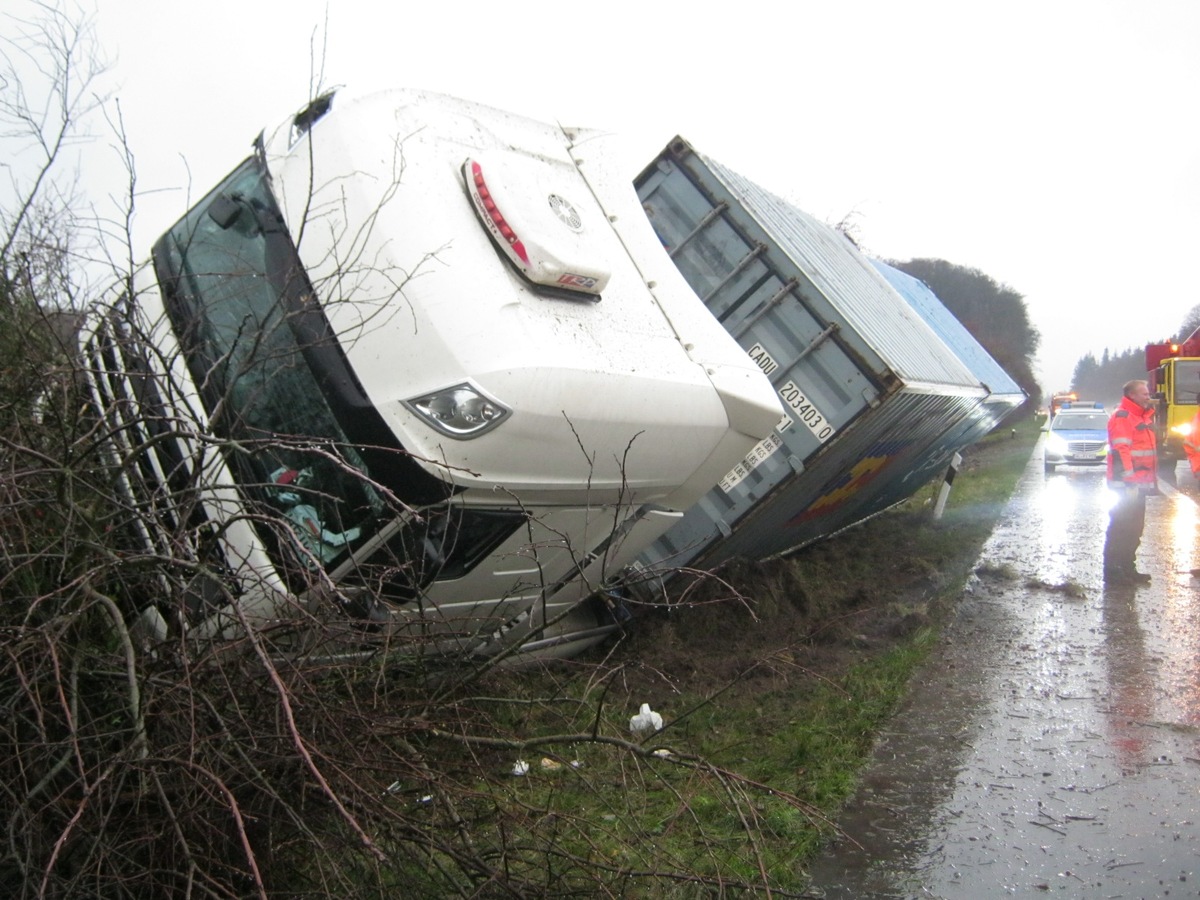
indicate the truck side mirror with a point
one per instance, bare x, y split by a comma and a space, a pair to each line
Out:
224, 211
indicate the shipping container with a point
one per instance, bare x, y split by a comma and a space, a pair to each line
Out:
876, 398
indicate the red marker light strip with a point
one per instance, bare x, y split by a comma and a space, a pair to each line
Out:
495, 215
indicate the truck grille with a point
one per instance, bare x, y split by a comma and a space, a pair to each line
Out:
155, 470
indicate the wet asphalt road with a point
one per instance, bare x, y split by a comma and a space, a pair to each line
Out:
1052, 745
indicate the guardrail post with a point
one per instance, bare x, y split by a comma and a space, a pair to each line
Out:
944, 493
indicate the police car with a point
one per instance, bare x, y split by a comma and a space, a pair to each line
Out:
1077, 436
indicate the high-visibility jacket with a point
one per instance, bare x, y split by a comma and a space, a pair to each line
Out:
1191, 444
1132, 449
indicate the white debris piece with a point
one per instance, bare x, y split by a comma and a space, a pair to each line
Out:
645, 722
520, 767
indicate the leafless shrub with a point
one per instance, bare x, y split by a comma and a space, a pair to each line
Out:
262, 765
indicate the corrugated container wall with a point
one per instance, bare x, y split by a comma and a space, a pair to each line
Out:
1004, 394
875, 397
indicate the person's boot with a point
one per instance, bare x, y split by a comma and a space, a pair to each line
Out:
1114, 574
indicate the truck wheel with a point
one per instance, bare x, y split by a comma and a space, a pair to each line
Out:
1048, 467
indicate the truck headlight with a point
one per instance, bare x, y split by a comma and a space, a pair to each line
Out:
461, 411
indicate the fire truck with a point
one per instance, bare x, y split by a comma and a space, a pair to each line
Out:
1173, 369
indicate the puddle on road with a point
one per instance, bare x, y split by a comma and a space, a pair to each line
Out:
1052, 744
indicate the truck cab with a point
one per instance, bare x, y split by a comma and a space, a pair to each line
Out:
416, 363
1173, 369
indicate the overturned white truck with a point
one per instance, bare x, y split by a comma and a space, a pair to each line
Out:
420, 367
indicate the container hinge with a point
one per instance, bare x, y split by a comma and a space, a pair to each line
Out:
743, 264
827, 332
713, 213
789, 286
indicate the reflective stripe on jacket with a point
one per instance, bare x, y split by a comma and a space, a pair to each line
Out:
1132, 453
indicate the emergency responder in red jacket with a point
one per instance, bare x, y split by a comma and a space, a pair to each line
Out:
1133, 473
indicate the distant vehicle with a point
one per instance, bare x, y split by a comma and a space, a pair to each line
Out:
1076, 436
1059, 400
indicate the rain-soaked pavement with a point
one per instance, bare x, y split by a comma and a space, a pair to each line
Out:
1052, 745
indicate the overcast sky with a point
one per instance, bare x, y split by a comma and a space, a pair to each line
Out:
1055, 146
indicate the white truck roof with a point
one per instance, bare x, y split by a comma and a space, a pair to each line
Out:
637, 388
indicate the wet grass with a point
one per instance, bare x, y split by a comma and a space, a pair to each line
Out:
733, 794
996, 571
771, 706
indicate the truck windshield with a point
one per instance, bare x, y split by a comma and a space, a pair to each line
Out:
1187, 382
309, 446
1068, 421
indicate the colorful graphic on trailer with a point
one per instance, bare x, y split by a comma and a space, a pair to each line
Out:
843, 488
